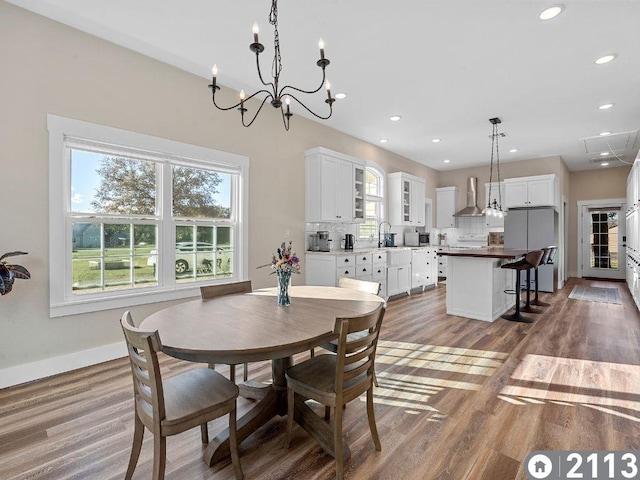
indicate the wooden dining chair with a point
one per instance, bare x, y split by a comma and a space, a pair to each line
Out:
171, 406
213, 291
335, 380
353, 284
361, 285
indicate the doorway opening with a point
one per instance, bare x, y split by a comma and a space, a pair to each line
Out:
602, 239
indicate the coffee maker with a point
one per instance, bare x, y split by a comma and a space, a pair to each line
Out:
348, 241
323, 240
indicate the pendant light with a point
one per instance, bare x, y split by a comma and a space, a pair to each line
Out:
494, 208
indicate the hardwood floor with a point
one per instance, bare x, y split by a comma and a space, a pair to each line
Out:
458, 399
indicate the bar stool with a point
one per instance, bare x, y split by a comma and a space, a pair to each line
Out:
547, 259
530, 260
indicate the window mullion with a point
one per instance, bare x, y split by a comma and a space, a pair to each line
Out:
166, 234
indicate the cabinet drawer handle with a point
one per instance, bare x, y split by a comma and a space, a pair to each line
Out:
364, 269
346, 260
346, 272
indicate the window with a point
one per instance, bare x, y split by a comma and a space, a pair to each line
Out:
138, 219
374, 190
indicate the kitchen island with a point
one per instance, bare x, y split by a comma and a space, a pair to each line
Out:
476, 284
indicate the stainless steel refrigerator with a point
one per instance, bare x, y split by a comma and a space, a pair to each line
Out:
533, 228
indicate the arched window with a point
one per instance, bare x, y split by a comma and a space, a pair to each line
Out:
374, 201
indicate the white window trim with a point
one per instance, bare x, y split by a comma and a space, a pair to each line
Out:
59, 184
380, 198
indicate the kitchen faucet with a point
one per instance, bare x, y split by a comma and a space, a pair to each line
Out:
379, 229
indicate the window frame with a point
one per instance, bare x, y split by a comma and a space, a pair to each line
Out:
378, 199
66, 132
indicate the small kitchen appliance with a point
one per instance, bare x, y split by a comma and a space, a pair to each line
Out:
389, 239
313, 242
412, 239
323, 240
423, 239
348, 241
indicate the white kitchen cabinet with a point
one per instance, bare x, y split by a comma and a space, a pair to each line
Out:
320, 269
446, 206
334, 187
406, 199
327, 268
536, 191
399, 272
633, 232
379, 262
442, 266
423, 273
497, 194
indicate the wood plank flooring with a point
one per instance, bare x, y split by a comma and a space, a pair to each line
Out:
458, 399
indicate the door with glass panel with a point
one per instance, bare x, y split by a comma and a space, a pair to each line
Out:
603, 241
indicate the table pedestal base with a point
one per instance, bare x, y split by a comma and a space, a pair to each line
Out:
273, 402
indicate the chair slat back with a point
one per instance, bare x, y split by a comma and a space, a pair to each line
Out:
213, 291
552, 254
361, 285
545, 255
357, 342
143, 347
534, 257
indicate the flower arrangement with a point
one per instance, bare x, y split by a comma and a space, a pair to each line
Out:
284, 260
9, 272
283, 263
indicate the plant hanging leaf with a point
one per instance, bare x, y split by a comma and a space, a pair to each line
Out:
20, 271
12, 254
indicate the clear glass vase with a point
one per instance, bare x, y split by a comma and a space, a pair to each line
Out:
284, 278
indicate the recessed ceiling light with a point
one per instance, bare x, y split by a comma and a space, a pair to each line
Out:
383, 140
604, 164
605, 59
550, 13
435, 140
604, 134
340, 96
513, 150
395, 118
605, 106
446, 161
603, 154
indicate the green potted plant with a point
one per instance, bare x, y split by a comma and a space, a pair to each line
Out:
9, 272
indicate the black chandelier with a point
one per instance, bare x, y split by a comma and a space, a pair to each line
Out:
277, 95
494, 208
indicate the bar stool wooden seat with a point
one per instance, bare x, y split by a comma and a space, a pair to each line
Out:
530, 260
547, 259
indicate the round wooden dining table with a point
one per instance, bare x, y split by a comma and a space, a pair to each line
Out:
251, 327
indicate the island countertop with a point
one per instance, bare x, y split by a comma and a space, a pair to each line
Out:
489, 252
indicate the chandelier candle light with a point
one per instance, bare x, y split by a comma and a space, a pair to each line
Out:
494, 208
277, 95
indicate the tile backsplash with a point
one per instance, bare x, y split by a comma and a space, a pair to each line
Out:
337, 231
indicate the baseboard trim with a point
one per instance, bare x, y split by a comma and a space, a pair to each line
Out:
29, 372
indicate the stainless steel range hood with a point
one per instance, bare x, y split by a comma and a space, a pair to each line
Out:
472, 209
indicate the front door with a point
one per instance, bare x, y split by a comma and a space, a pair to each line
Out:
603, 241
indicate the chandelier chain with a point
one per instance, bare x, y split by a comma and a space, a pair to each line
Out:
277, 59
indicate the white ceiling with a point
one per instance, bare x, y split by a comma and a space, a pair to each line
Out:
445, 66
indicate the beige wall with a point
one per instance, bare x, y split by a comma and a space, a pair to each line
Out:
593, 185
50, 68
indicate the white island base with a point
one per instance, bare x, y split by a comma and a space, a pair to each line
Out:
476, 285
